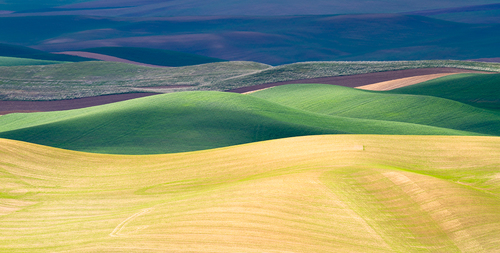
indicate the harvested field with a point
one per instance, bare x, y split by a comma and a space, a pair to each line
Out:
362, 79
398, 83
341, 193
104, 57
60, 105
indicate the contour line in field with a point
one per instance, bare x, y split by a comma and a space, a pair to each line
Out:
120, 226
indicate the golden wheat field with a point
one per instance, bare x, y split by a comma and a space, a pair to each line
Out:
330, 193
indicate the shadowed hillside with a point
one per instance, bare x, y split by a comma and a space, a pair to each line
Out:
270, 40
188, 121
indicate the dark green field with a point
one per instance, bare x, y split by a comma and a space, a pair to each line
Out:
474, 89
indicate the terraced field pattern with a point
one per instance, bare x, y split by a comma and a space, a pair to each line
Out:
306, 157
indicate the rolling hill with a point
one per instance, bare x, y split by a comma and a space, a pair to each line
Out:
87, 79
336, 193
477, 90
354, 103
13, 61
7, 50
188, 121
148, 8
272, 40
154, 56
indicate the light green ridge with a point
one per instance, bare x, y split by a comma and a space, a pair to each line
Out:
187, 121
354, 103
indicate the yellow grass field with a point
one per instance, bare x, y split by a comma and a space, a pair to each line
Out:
330, 193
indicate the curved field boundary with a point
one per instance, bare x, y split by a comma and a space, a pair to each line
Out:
360, 80
348, 81
104, 57
402, 82
59, 105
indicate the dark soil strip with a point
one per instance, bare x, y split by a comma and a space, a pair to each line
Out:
361, 79
349, 81
59, 105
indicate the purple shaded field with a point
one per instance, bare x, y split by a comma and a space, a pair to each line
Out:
59, 105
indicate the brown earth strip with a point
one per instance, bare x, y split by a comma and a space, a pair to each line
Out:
398, 83
360, 80
349, 81
59, 105
104, 57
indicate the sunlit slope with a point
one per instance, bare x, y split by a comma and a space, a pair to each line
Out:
186, 121
474, 89
336, 193
349, 102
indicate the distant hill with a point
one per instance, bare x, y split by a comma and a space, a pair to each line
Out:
270, 40
159, 8
154, 56
30, 53
489, 13
13, 61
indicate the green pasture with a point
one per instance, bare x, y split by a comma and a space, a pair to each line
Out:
13, 61
418, 109
474, 89
154, 56
327, 193
188, 121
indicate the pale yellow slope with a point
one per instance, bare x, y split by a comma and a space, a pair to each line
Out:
402, 82
352, 193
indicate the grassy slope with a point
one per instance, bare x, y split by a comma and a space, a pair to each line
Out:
72, 80
349, 102
185, 122
154, 56
339, 193
473, 89
84, 79
13, 61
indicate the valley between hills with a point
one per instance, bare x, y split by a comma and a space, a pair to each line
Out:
264, 126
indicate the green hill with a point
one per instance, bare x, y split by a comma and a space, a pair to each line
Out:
154, 56
474, 89
13, 61
187, 121
349, 102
